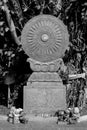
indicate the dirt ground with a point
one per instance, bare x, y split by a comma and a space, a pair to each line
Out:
40, 125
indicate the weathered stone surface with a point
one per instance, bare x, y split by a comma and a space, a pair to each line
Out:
45, 38
45, 67
44, 96
44, 76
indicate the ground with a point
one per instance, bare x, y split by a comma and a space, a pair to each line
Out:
39, 123
35, 125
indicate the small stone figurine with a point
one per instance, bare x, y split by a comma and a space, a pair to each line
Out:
16, 116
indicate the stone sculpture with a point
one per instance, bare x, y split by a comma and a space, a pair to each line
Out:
44, 39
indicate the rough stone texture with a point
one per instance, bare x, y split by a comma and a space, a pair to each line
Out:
45, 67
45, 38
44, 76
44, 96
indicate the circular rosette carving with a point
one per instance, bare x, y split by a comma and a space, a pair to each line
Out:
44, 38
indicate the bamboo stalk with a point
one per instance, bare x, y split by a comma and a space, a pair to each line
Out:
8, 95
11, 23
76, 76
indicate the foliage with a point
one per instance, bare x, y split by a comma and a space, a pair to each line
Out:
13, 59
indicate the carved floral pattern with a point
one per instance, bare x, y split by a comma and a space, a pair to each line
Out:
37, 66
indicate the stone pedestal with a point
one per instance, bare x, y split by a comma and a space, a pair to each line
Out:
44, 39
44, 93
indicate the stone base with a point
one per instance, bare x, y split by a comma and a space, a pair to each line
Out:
44, 96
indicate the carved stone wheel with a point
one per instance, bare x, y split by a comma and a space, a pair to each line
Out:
44, 38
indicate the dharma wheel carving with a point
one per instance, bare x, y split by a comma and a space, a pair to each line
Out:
45, 38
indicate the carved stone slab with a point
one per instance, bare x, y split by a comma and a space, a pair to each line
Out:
44, 38
44, 77
44, 96
53, 66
